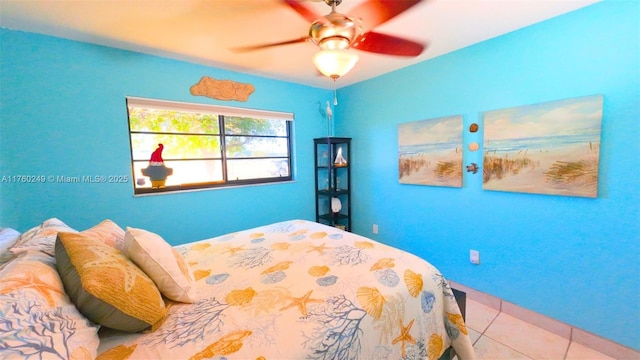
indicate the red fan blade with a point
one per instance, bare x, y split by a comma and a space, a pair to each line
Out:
386, 44
301, 9
376, 12
264, 46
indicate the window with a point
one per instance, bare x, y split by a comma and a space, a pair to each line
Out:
182, 146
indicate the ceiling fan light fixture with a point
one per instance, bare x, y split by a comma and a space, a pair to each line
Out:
334, 43
335, 63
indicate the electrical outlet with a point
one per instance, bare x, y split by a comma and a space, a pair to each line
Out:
375, 228
474, 257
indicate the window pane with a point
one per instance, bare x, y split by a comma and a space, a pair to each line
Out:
248, 126
257, 168
185, 172
241, 146
172, 121
175, 146
193, 137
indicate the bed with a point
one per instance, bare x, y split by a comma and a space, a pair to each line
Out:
289, 290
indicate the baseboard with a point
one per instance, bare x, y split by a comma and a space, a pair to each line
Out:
572, 333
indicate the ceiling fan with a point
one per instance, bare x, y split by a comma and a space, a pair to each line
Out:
335, 33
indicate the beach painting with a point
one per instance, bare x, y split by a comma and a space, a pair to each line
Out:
548, 148
430, 152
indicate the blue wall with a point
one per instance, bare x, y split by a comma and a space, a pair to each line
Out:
574, 259
64, 113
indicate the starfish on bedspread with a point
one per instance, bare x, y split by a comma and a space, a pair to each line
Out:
301, 302
320, 248
404, 337
234, 250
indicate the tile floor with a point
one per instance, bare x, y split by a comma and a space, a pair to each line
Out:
496, 335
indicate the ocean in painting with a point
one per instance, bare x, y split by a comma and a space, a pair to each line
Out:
411, 150
539, 143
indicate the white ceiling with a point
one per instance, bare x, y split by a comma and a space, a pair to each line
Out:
203, 31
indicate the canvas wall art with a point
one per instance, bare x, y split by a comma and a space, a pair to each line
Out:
547, 148
430, 152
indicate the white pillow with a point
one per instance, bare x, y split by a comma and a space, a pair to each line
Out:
8, 238
162, 263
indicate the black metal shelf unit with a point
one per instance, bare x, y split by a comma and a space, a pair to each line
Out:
333, 181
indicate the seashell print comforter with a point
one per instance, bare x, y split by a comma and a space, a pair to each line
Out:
301, 290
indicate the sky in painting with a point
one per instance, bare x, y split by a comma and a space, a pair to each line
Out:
433, 131
565, 117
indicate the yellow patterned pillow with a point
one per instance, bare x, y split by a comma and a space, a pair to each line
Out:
162, 263
105, 286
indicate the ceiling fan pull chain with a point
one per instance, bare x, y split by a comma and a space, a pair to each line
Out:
335, 97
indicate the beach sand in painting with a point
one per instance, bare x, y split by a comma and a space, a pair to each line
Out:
438, 168
570, 170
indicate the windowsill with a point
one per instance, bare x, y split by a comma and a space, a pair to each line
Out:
174, 192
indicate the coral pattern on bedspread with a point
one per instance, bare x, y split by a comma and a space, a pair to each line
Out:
37, 318
302, 290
